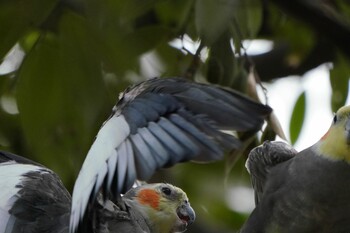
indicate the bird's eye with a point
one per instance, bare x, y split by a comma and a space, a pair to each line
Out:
335, 119
166, 191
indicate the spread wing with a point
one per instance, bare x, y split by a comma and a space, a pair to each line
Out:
157, 124
32, 197
262, 158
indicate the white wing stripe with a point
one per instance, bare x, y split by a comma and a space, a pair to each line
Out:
111, 135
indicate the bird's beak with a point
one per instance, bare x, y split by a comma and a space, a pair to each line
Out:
186, 213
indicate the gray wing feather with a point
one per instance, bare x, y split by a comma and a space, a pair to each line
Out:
198, 97
122, 164
131, 172
208, 150
167, 141
144, 165
180, 136
160, 154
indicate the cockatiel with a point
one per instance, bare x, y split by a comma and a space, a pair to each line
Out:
306, 191
33, 199
156, 124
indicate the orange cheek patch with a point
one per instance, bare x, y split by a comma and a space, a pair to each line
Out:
149, 197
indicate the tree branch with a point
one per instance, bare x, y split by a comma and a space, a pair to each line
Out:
273, 64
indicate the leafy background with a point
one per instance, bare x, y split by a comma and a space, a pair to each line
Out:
69, 59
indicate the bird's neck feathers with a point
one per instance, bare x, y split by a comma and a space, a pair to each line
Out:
333, 145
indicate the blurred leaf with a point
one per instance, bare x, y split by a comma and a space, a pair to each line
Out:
240, 75
299, 37
268, 134
17, 17
174, 13
298, 116
344, 7
220, 62
247, 15
132, 9
60, 96
120, 43
235, 155
252, 85
11, 135
28, 41
339, 78
212, 18
106, 30
174, 61
275, 125
145, 39
5, 81
118, 14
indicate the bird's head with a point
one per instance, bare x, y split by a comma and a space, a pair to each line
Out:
335, 144
165, 207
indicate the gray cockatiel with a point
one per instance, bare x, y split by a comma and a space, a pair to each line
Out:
306, 191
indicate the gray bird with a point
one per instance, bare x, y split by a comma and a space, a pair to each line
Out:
306, 191
33, 199
156, 124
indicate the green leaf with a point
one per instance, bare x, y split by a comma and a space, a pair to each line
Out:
118, 41
132, 9
29, 40
212, 18
247, 16
174, 13
297, 119
344, 9
220, 61
145, 39
61, 97
174, 62
339, 78
17, 17
299, 38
